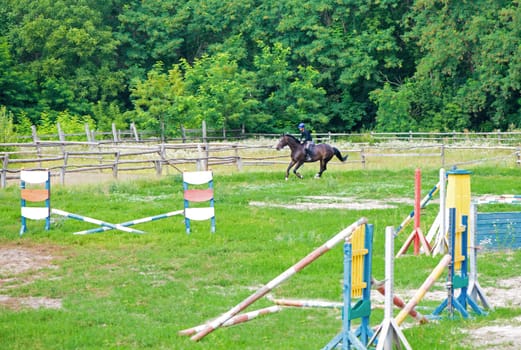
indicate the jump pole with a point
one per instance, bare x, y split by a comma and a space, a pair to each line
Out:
423, 204
132, 222
474, 289
417, 235
438, 231
308, 303
94, 221
241, 318
398, 302
420, 293
389, 330
315, 254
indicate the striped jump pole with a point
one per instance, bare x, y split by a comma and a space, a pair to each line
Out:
398, 302
423, 204
315, 254
132, 222
389, 332
241, 318
438, 231
420, 293
499, 199
94, 221
309, 303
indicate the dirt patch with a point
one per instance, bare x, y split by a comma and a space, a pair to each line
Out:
22, 265
499, 336
502, 336
333, 202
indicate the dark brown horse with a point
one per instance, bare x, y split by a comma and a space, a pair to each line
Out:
322, 152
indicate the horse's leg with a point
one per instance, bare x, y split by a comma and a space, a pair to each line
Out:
289, 168
323, 164
295, 170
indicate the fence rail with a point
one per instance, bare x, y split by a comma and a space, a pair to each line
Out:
132, 151
63, 158
204, 134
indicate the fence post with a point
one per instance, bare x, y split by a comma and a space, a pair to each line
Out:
362, 157
162, 155
36, 141
5, 163
518, 156
207, 152
61, 136
159, 167
115, 165
443, 155
115, 133
34, 134
134, 131
88, 133
238, 159
63, 170
183, 134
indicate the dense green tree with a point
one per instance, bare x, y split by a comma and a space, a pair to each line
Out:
159, 101
15, 85
222, 91
467, 71
149, 32
265, 65
66, 47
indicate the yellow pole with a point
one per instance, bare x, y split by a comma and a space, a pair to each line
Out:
458, 197
420, 293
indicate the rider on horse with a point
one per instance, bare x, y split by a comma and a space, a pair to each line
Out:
306, 140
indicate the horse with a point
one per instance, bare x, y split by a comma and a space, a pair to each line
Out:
322, 152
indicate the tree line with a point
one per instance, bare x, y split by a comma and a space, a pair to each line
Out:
337, 65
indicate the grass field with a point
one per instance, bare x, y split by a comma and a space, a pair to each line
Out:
123, 291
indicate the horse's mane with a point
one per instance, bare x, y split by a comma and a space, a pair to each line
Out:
293, 137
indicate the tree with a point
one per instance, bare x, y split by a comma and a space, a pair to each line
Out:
69, 51
159, 101
289, 97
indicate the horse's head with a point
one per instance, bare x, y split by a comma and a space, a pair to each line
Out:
283, 142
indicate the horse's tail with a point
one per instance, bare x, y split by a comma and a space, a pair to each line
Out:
339, 155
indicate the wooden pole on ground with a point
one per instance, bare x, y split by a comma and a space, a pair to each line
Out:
315, 254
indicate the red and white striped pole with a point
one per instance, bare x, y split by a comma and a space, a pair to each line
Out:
339, 237
241, 318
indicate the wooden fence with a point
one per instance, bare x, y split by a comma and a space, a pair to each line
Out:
64, 158
204, 134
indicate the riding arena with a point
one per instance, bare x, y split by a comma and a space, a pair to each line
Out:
407, 255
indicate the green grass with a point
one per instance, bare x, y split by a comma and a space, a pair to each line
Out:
125, 291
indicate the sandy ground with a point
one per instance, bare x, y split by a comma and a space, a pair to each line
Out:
21, 266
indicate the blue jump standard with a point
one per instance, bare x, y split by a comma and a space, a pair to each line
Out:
458, 281
362, 309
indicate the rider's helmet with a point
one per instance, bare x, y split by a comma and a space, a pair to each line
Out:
301, 126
